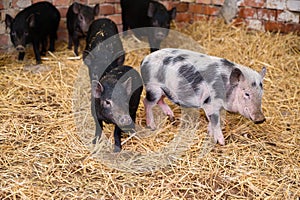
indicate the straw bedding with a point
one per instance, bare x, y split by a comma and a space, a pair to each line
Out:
46, 130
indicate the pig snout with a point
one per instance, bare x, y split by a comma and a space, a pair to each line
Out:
160, 35
124, 120
20, 48
258, 118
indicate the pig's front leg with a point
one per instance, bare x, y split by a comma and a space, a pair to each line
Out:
21, 56
214, 124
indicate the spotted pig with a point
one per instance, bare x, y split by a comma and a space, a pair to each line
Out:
192, 79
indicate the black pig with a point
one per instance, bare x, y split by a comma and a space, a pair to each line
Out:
104, 50
147, 13
33, 25
116, 96
79, 18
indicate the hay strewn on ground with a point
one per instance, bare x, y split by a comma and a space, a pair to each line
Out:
44, 156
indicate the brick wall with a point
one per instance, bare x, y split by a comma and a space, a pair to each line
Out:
264, 15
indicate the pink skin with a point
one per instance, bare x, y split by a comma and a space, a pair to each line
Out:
149, 113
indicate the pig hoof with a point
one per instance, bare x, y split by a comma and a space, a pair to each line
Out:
171, 118
151, 128
117, 149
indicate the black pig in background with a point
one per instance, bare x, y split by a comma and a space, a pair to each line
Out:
147, 13
104, 50
34, 25
79, 18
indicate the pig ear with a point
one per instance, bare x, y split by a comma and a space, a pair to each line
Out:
263, 72
97, 89
76, 7
31, 20
128, 85
236, 76
151, 9
172, 13
96, 9
8, 20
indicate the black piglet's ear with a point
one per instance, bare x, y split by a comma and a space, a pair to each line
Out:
172, 13
97, 89
8, 20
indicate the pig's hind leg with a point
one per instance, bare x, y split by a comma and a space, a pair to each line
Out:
153, 95
166, 109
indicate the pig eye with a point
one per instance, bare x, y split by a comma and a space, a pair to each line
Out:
107, 103
80, 17
26, 33
13, 33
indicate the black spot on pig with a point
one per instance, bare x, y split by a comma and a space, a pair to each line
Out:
34, 25
145, 71
190, 76
214, 118
209, 74
167, 60
114, 95
219, 88
147, 13
253, 84
150, 96
179, 58
79, 18
161, 76
227, 63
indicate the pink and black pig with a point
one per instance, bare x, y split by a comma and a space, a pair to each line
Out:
192, 79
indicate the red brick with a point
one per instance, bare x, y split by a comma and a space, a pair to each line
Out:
182, 7
196, 8
183, 17
211, 10
62, 2
4, 40
1, 5
247, 12
267, 14
63, 12
62, 35
112, 1
200, 17
218, 2
118, 9
94, 2
273, 26
168, 4
252, 3
204, 1
292, 27
116, 18
107, 9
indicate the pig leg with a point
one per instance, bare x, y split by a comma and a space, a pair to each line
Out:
44, 45
214, 124
36, 50
70, 42
76, 44
98, 132
21, 55
153, 95
52, 39
166, 109
117, 137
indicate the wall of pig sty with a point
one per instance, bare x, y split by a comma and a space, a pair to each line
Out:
264, 15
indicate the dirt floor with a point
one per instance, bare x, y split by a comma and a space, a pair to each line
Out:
46, 129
